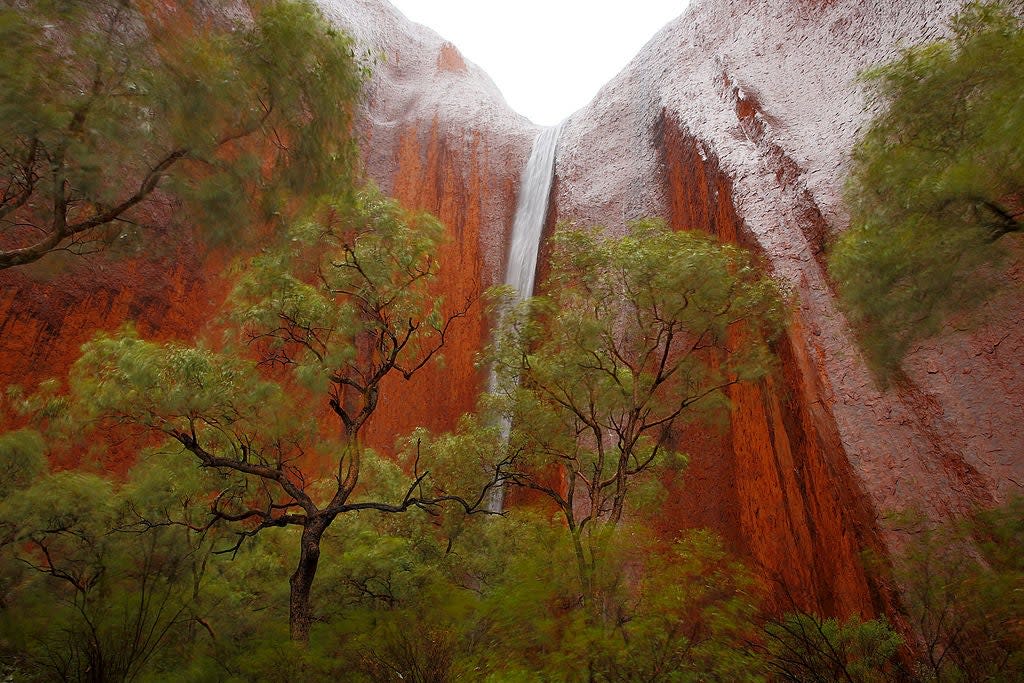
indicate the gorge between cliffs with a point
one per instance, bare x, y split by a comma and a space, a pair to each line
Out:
736, 123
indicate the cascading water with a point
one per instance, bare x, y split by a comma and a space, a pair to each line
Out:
531, 210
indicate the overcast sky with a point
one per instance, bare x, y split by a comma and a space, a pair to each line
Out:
548, 57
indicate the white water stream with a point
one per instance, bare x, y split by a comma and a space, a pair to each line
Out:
531, 210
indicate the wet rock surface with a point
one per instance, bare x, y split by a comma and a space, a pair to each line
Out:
736, 119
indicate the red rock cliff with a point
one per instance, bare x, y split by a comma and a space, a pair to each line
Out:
438, 135
737, 119
435, 132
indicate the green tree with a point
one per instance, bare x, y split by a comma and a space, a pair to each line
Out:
345, 304
964, 595
22, 462
683, 611
807, 648
635, 336
92, 594
409, 612
105, 106
686, 616
936, 186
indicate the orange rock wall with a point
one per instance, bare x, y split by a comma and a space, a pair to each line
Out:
453, 182
778, 481
48, 310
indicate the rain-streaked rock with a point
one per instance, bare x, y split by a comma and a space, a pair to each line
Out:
737, 119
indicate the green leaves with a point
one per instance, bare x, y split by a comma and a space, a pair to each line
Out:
804, 646
963, 589
88, 586
350, 272
633, 335
189, 393
318, 323
633, 314
103, 104
935, 184
73, 502
161, 383
22, 460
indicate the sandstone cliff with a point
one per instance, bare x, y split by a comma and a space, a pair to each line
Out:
438, 135
737, 119
435, 132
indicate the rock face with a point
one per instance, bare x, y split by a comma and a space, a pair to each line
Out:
436, 133
735, 119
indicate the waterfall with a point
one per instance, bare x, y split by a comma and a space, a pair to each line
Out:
531, 210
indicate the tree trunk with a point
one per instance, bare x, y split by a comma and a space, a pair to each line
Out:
583, 570
300, 613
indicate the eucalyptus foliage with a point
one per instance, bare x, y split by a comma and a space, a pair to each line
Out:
22, 459
964, 593
634, 336
107, 105
93, 590
937, 183
320, 322
807, 647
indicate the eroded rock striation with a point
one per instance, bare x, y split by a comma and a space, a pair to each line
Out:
737, 119
438, 135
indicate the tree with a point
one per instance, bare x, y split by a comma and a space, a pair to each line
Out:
90, 597
936, 187
635, 336
687, 617
105, 106
804, 647
324, 320
683, 610
964, 594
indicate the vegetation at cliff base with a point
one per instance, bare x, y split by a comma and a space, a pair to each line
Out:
343, 306
965, 594
936, 190
634, 337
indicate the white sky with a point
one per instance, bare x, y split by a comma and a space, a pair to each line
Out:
548, 57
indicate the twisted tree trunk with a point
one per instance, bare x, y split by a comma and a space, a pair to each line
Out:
300, 613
